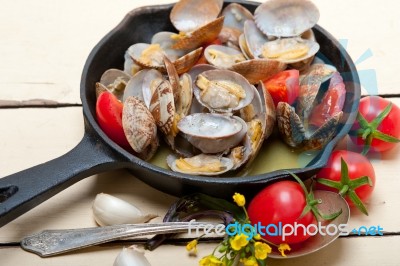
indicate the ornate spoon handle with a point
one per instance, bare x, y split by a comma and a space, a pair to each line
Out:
53, 242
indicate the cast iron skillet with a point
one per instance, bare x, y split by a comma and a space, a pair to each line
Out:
96, 153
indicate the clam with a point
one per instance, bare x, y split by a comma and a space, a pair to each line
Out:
162, 107
166, 41
235, 16
258, 69
254, 39
223, 91
196, 21
143, 84
185, 99
261, 125
286, 18
114, 81
213, 133
317, 115
230, 37
151, 81
189, 15
152, 56
244, 48
172, 76
139, 128
130, 67
290, 50
223, 57
204, 34
201, 164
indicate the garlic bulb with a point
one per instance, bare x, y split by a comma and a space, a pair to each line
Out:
132, 256
110, 210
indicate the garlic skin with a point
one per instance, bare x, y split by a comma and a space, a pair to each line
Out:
132, 256
110, 210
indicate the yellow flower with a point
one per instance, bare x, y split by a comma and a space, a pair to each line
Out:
192, 245
282, 248
250, 261
239, 199
238, 241
210, 260
257, 237
261, 250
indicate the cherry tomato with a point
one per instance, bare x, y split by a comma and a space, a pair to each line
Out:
284, 86
282, 202
382, 128
353, 185
109, 117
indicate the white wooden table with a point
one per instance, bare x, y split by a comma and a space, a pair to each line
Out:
43, 47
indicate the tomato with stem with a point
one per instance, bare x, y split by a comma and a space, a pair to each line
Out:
351, 175
286, 203
378, 124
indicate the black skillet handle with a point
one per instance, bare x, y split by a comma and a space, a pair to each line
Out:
24, 190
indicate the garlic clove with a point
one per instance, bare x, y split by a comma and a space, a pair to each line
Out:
132, 256
110, 210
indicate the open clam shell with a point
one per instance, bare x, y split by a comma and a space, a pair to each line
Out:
143, 84
290, 50
221, 100
202, 164
255, 39
244, 48
114, 81
223, 57
152, 56
186, 62
205, 34
147, 55
255, 70
189, 15
165, 40
286, 18
230, 37
185, 98
213, 133
235, 16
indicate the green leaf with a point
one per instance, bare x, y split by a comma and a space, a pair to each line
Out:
361, 181
306, 210
362, 121
385, 137
328, 216
378, 120
345, 179
357, 201
330, 183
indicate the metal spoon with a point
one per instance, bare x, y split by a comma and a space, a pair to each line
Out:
52, 242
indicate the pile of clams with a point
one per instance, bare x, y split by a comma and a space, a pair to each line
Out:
215, 115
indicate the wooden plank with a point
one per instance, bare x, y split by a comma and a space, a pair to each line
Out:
351, 251
46, 43
33, 136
